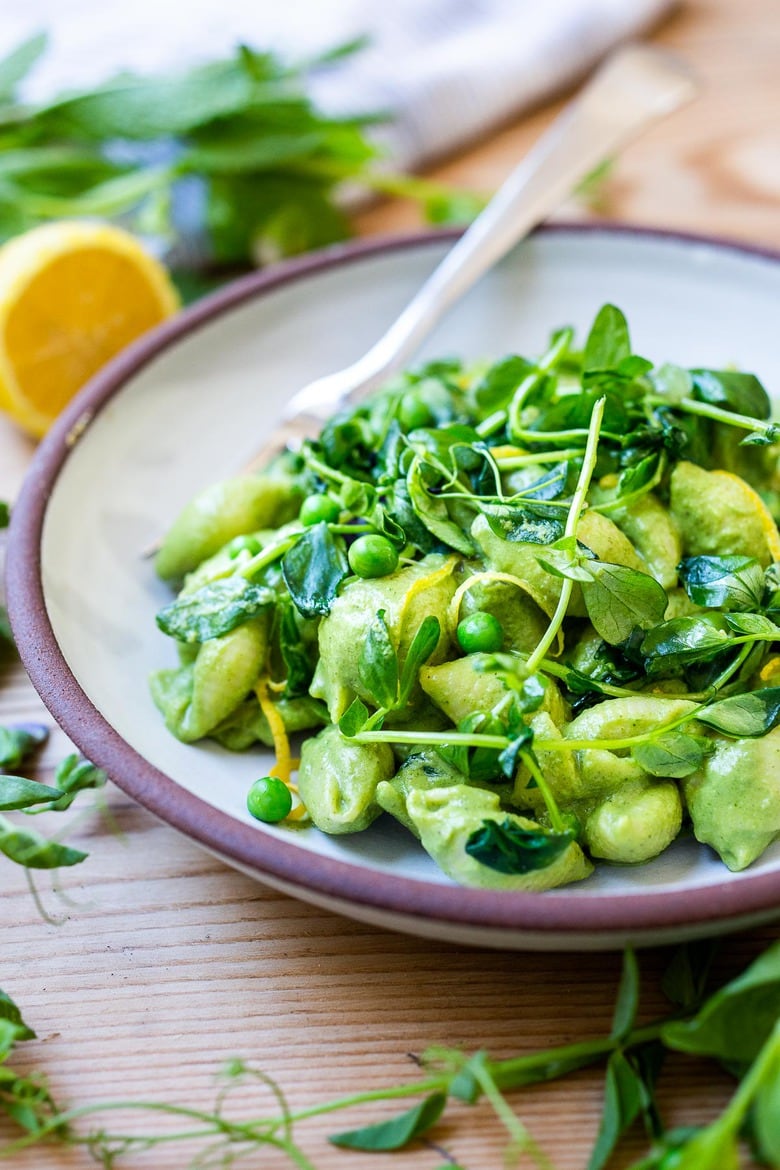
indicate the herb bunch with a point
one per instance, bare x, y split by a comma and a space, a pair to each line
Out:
238, 138
736, 1025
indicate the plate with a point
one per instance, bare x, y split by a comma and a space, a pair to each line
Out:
188, 405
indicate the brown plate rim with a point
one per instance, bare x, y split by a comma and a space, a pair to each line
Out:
554, 913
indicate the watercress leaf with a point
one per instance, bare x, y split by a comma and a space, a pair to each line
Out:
17, 792
608, 342
423, 645
354, 718
619, 599
735, 1022
683, 640
5, 514
378, 663
214, 609
433, 512
622, 1105
733, 583
509, 848
627, 1001
398, 1131
549, 486
399, 503
744, 716
674, 755
732, 390
496, 387
314, 568
756, 625
29, 848
18, 741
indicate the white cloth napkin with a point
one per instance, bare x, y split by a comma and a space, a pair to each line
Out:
448, 70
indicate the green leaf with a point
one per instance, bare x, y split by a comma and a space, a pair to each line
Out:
433, 512
497, 386
608, 342
6, 637
622, 1105
214, 610
297, 655
754, 625
422, 647
509, 848
17, 742
17, 792
627, 1002
314, 568
5, 514
732, 390
766, 1115
619, 600
750, 716
11, 1013
378, 664
732, 583
674, 755
17, 64
354, 718
684, 981
521, 527
683, 640
398, 1131
74, 774
734, 1023
564, 559
29, 848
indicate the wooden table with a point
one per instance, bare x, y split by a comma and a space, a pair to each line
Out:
168, 963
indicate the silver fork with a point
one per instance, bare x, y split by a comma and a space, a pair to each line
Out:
634, 88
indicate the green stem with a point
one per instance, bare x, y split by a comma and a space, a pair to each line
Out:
691, 406
556, 820
268, 555
520, 1138
572, 521
513, 462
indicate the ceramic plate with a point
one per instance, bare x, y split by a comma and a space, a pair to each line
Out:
189, 404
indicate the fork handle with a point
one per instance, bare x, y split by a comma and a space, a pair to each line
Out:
635, 87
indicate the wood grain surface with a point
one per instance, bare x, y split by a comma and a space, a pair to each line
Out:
166, 963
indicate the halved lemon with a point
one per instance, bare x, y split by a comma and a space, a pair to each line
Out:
72, 295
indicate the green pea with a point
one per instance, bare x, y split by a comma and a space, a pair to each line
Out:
480, 633
414, 412
241, 543
269, 799
373, 556
315, 509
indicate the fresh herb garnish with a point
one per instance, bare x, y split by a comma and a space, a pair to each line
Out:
736, 1026
268, 162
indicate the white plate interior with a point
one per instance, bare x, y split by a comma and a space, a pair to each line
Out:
199, 410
